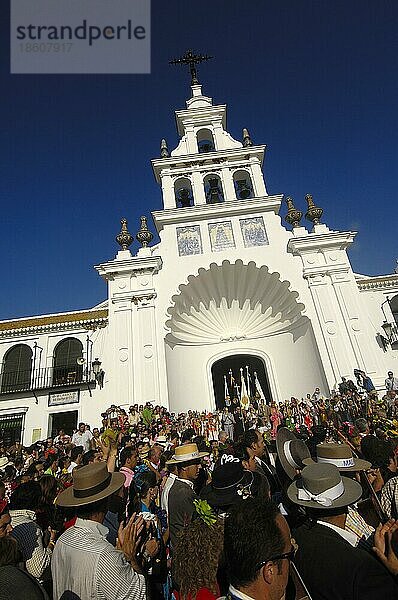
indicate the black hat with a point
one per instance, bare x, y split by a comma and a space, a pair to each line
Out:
230, 483
292, 452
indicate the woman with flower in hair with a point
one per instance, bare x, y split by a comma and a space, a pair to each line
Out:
197, 554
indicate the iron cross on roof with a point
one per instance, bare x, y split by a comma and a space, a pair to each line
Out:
191, 59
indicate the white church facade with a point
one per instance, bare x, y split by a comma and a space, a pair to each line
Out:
227, 286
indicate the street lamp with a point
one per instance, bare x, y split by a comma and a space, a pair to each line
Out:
98, 372
387, 328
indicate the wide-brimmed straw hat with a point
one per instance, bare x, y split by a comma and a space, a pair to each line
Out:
230, 483
144, 451
321, 486
185, 453
292, 452
341, 456
161, 440
5, 462
90, 484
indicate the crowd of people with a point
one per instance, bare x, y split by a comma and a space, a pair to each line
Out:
257, 500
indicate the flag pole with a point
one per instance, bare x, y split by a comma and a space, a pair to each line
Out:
226, 393
244, 400
258, 387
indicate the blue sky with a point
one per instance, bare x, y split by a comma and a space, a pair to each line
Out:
315, 81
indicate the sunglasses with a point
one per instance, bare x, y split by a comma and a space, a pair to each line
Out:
289, 555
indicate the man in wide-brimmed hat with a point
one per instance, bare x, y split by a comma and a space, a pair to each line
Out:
4, 462
292, 452
333, 568
187, 459
85, 564
339, 455
161, 440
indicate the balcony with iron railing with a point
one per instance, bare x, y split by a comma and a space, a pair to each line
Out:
394, 337
394, 333
44, 378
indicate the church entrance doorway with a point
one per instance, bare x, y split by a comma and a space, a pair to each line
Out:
227, 376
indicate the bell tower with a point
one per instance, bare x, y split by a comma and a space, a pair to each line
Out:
208, 166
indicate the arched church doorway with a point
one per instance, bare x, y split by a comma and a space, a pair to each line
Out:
228, 376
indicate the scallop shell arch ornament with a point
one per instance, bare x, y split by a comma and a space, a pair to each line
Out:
232, 301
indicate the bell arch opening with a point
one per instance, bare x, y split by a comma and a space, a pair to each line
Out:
228, 377
205, 141
183, 192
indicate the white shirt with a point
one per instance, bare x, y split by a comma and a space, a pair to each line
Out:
164, 501
391, 383
348, 536
261, 463
72, 466
239, 594
64, 439
88, 566
82, 439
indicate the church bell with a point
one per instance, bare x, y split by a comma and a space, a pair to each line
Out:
184, 197
214, 194
243, 189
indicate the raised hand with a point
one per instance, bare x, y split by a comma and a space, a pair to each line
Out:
129, 537
383, 547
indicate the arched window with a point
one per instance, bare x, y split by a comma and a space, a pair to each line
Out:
205, 141
213, 189
67, 355
183, 192
17, 369
243, 185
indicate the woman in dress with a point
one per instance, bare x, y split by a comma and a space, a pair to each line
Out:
276, 419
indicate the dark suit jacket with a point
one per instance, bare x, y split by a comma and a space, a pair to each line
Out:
332, 569
16, 583
180, 507
270, 472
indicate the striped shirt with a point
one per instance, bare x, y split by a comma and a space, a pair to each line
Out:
86, 566
389, 498
27, 532
358, 526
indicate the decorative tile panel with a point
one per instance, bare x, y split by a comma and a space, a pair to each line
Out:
189, 240
253, 232
221, 236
